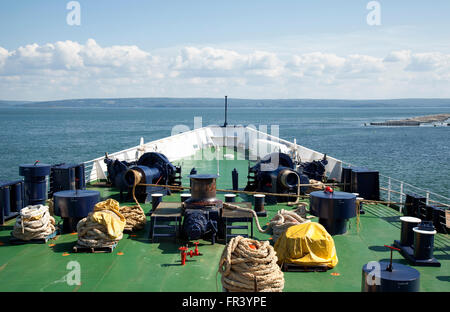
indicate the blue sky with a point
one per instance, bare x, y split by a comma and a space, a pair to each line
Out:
208, 48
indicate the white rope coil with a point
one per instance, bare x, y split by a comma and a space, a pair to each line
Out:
248, 265
33, 222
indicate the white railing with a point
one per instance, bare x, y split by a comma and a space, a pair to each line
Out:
396, 190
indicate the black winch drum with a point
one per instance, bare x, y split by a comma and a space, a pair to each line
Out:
230, 198
333, 209
407, 234
203, 187
73, 206
288, 178
423, 244
402, 278
203, 192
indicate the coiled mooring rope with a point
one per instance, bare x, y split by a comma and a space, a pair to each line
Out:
93, 234
134, 215
248, 265
283, 220
33, 222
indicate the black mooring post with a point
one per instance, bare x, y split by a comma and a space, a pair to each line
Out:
226, 108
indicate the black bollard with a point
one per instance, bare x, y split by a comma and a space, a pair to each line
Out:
235, 179
230, 198
156, 199
259, 205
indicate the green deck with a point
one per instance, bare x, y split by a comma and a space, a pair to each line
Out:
136, 264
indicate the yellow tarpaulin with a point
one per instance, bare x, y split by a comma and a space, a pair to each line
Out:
107, 213
307, 244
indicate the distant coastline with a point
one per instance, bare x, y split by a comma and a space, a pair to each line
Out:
219, 102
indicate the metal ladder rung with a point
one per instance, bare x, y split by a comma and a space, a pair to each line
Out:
164, 226
164, 234
243, 227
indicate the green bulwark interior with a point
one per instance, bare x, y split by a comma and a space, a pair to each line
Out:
137, 264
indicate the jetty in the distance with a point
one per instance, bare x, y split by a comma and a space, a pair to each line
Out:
415, 121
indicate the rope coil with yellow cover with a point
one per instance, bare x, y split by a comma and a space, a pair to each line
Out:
103, 227
307, 244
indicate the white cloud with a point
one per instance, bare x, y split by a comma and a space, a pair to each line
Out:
398, 56
67, 55
362, 65
208, 61
329, 68
315, 64
70, 56
68, 69
429, 62
130, 58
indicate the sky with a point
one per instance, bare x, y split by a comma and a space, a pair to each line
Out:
349, 49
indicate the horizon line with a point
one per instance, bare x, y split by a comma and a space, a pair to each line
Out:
218, 98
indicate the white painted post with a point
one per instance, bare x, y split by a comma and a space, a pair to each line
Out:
428, 197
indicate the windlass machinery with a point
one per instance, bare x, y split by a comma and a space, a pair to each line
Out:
314, 169
202, 211
276, 173
151, 168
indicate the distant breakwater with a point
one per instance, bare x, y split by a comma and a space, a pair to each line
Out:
415, 121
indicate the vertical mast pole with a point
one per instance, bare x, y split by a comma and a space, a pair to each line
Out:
226, 109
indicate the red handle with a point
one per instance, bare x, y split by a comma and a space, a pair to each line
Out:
392, 247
